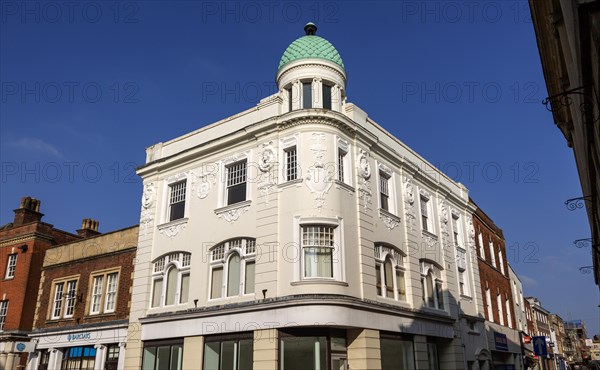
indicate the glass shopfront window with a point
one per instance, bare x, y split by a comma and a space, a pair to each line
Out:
229, 352
163, 355
397, 353
318, 350
79, 358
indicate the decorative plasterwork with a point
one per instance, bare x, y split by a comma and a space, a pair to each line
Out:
409, 200
202, 181
363, 170
173, 228
389, 220
429, 239
342, 144
317, 120
177, 177
424, 193
267, 157
318, 179
147, 213
236, 157
385, 169
266, 180
382, 251
444, 217
311, 65
233, 212
471, 228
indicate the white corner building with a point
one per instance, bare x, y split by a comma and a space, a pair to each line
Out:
300, 234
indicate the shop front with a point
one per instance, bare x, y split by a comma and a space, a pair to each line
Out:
79, 349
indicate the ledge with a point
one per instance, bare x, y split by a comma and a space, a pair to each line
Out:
233, 212
429, 234
173, 228
318, 281
290, 183
341, 184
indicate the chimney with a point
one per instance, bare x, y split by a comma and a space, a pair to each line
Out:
28, 211
89, 228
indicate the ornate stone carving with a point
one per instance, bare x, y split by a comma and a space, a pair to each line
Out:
171, 230
202, 181
389, 220
148, 195
444, 217
232, 214
409, 200
267, 157
318, 179
471, 228
363, 170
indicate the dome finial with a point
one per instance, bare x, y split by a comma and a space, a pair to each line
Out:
310, 28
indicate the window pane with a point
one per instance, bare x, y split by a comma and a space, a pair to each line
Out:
341, 155
317, 242
171, 286
401, 285
211, 355
156, 292
177, 201
162, 357
301, 353
378, 278
71, 295
97, 294
326, 96
290, 99
233, 275
149, 359
111, 292
236, 193
306, 95
58, 293
217, 282
291, 164
246, 354
389, 282
397, 354
439, 292
185, 287
432, 355
228, 355
430, 291
249, 282
176, 357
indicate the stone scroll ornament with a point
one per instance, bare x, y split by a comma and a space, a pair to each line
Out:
203, 180
363, 170
409, 199
266, 182
318, 179
147, 213
445, 218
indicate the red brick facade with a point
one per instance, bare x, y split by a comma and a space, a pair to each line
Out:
493, 270
27, 238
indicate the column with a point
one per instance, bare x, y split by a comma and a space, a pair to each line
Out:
266, 347
193, 352
55, 360
336, 98
121, 363
32, 361
317, 90
363, 349
100, 360
10, 361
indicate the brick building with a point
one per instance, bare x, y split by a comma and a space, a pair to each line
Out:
82, 311
23, 243
541, 324
576, 335
504, 339
557, 336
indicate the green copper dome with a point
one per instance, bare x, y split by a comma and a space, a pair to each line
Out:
310, 46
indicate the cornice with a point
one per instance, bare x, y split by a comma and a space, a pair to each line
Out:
25, 237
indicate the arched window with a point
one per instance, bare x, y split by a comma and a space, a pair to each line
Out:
232, 268
171, 279
389, 266
431, 285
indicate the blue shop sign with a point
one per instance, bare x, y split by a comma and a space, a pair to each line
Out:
500, 341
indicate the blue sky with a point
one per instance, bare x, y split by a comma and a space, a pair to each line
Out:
86, 87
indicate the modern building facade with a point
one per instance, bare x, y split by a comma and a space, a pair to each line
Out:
81, 317
503, 337
567, 37
300, 234
23, 243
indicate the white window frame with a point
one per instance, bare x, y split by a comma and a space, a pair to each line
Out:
179, 260
428, 268
481, 245
387, 173
167, 184
3, 313
100, 296
220, 255
111, 293
508, 315
11, 266
285, 145
500, 308
66, 300
224, 166
490, 309
462, 257
343, 166
382, 253
312, 93
425, 196
492, 253
501, 261
339, 274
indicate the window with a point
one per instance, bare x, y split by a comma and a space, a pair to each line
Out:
222, 353
492, 253
64, 299
232, 268
163, 355
481, 247
508, 315
236, 182
463, 275
432, 355
343, 162
426, 221
11, 266
303, 352
488, 301
317, 249
3, 310
384, 191
79, 358
326, 96
396, 352
501, 260
291, 164
455, 231
177, 200
340, 162
431, 286
500, 308
104, 292
112, 357
289, 98
306, 95
389, 265
171, 279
